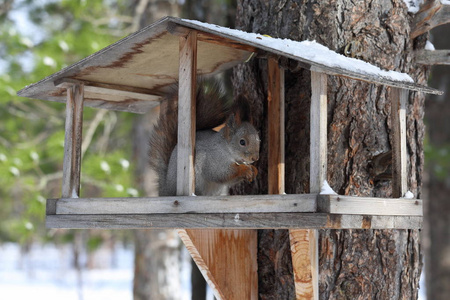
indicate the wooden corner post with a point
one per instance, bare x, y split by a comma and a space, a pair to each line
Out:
304, 243
399, 99
186, 114
226, 258
275, 110
72, 142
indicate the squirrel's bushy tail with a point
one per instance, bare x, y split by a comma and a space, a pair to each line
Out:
212, 110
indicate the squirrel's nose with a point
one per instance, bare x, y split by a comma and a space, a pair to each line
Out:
255, 157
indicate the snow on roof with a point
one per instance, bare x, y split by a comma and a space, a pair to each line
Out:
133, 74
318, 57
309, 50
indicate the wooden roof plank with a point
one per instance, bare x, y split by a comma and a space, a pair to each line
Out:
126, 63
315, 66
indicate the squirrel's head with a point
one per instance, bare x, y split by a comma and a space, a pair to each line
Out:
243, 140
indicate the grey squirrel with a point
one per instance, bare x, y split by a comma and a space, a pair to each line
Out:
222, 158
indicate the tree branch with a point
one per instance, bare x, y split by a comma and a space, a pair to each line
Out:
91, 130
432, 14
49, 177
433, 57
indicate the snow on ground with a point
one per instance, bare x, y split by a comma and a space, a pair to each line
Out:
46, 273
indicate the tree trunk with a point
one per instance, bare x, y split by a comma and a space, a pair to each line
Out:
157, 252
354, 264
437, 206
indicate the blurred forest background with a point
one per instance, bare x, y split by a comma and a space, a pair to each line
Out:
38, 38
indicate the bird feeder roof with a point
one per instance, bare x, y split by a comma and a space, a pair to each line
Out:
134, 73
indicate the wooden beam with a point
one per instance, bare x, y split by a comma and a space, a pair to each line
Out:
206, 37
318, 135
301, 203
181, 26
318, 174
186, 114
304, 243
187, 204
399, 99
66, 82
72, 142
336, 204
275, 110
237, 221
110, 90
219, 254
113, 97
433, 57
194, 244
227, 260
304, 252
432, 14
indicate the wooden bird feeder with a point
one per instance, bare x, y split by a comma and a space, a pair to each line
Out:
220, 231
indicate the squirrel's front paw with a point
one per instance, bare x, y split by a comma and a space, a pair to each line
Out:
250, 173
244, 172
254, 173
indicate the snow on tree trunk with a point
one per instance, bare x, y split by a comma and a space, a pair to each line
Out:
354, 264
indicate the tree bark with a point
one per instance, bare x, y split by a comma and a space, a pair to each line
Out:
354, 264
437, 206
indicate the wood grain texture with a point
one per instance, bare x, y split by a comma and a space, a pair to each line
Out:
433, 57
111, 92
127, 62
66, 82
187, 204
304, 243
200, 259
234, 221
220, 255
318, 121
227, 259
313, 65
178, 30
336, 204
399, 98
302, 203
275, 93
72, 142
432, 13
304, 251
186, 114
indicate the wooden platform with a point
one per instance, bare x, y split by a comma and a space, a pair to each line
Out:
311, 211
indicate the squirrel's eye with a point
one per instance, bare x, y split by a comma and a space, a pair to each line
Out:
242, 142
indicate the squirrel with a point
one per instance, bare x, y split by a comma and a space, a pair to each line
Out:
222, 158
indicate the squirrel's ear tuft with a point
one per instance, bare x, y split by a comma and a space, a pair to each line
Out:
242, 110
233, 122
229, 128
